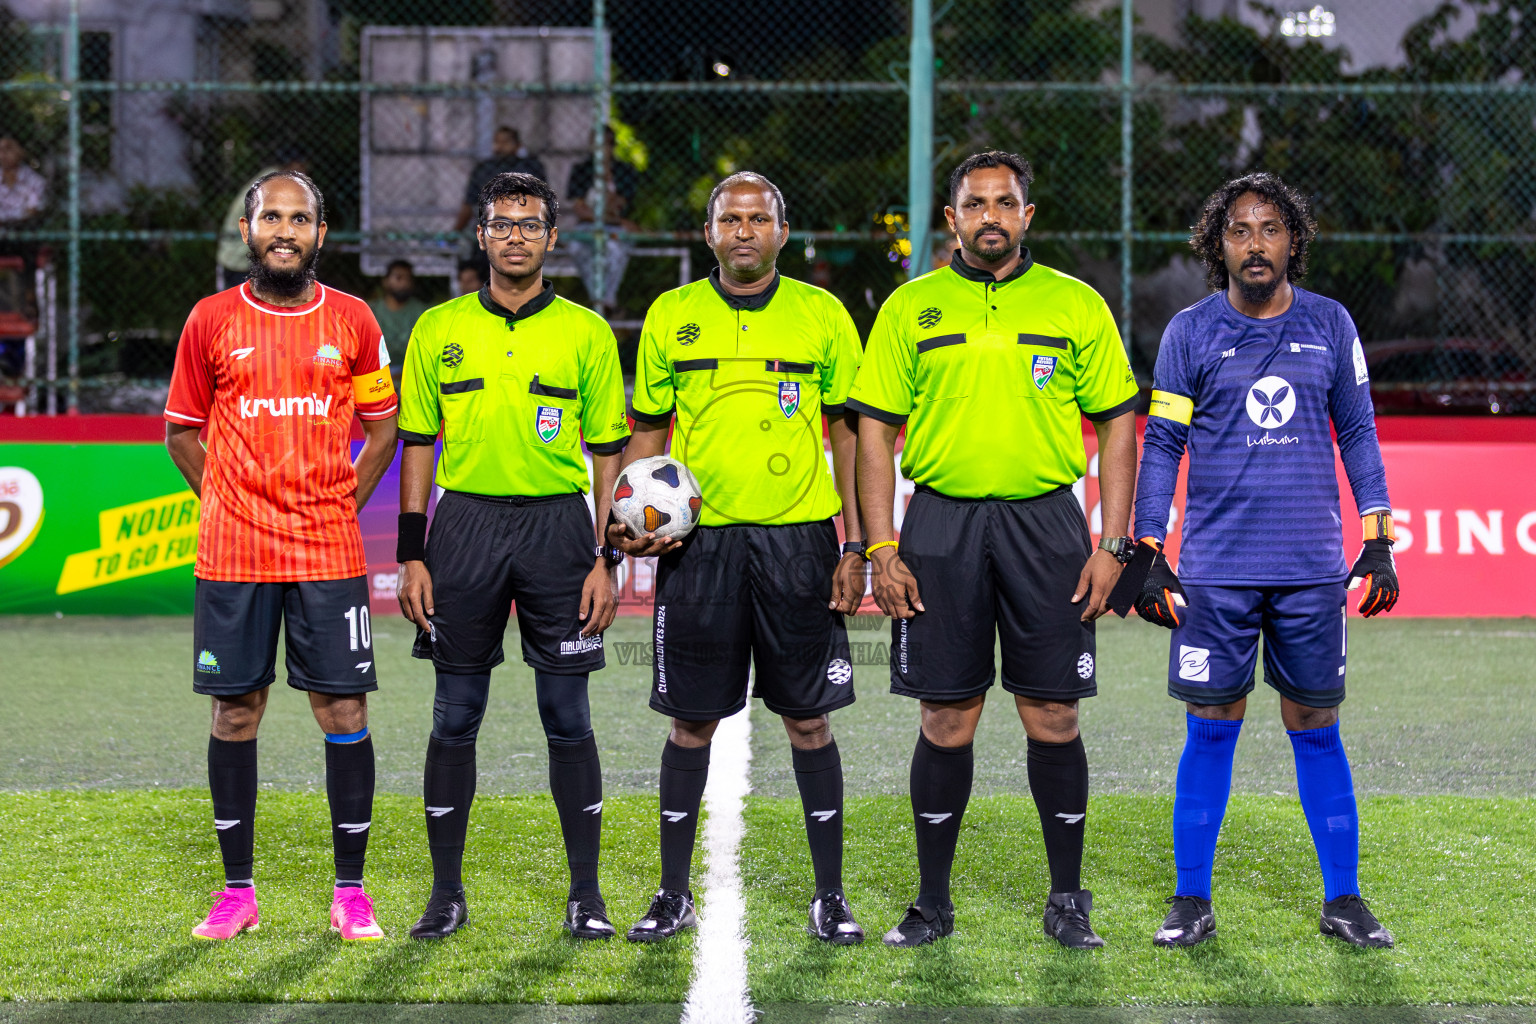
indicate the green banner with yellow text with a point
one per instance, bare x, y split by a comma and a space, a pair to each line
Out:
95, 529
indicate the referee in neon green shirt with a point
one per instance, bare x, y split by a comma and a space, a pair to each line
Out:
748, 362
990, 364
514, 377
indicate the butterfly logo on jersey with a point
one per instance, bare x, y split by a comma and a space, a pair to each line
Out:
688, 334
929, 317
453, 355
547, 422
789, 397
1042, 368
1271, 402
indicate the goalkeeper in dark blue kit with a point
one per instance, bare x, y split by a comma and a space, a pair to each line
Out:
1249, 381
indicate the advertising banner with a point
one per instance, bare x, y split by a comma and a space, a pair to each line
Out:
111, 528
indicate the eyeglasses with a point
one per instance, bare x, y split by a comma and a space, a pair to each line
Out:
501, 230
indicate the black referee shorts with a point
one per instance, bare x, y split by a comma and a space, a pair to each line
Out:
326, 629
737, 593
484, 553
987, 571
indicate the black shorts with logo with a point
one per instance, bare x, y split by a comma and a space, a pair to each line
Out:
738, 594
326, 627
994, 570
484, 553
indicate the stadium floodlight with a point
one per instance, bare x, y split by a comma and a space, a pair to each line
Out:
1313, 23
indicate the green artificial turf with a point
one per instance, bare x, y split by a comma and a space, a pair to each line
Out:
94, 701
1451, 876
99, 891
1433, 706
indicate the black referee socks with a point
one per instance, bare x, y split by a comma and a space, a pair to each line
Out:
819, 775
232, 782
576, 783
684, 770
349, 785
941, 787
1058, 780
448, 788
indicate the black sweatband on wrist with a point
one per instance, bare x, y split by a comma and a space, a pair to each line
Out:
411, 541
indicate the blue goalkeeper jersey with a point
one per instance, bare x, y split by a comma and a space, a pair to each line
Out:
1252, 401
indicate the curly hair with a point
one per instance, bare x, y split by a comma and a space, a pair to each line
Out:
518, 185
1205, 237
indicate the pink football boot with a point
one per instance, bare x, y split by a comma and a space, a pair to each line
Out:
234, 911
352, 916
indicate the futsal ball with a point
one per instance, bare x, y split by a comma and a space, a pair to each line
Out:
657, 495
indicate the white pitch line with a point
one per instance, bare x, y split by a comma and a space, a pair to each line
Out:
718, 993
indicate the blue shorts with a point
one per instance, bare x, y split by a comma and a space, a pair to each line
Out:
1214, 651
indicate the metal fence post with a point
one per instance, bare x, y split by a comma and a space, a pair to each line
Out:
72, 294
599, 153
920, 137
1127, 27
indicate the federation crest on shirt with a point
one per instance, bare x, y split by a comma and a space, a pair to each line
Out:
789, 397
547, 422
1043, 368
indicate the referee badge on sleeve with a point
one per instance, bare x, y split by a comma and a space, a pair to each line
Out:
547, 422
1043, 369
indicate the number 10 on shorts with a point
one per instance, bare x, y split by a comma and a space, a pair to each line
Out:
357, 626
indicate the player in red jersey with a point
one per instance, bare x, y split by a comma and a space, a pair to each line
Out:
274, 370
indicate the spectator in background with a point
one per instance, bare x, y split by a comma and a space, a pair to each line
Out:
582, 192
508, 154
233, 259
470, 278
397, 308
23, 193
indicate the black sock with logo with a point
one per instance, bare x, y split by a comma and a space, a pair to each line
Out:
349, 775
448, 788
684, 770
819, 775
576, 783
940, 785
1058, 780
232, 782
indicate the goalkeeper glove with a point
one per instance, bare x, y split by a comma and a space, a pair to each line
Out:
1378, 572
1161, 595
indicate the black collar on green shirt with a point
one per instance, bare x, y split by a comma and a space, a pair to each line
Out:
971, 273
747, 302
532, 306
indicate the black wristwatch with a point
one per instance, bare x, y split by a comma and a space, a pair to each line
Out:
1121, 547
853, 547
610, 554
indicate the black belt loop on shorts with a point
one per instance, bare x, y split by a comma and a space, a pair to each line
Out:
925, 489
518, 500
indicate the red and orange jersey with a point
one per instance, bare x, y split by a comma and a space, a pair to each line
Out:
277, 387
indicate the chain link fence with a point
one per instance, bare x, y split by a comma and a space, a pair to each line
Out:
130, 128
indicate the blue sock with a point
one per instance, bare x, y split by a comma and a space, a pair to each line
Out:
1200, 800
1328, 800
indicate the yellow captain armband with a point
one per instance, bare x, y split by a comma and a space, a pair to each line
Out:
1378, 526
1172, 407
372, 387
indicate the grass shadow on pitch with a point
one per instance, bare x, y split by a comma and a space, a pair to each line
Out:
280, 975
398, 963
151, 974
658, 964
811, 961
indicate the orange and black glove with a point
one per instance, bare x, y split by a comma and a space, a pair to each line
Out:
1162, 595
1149, 585
1375, 567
